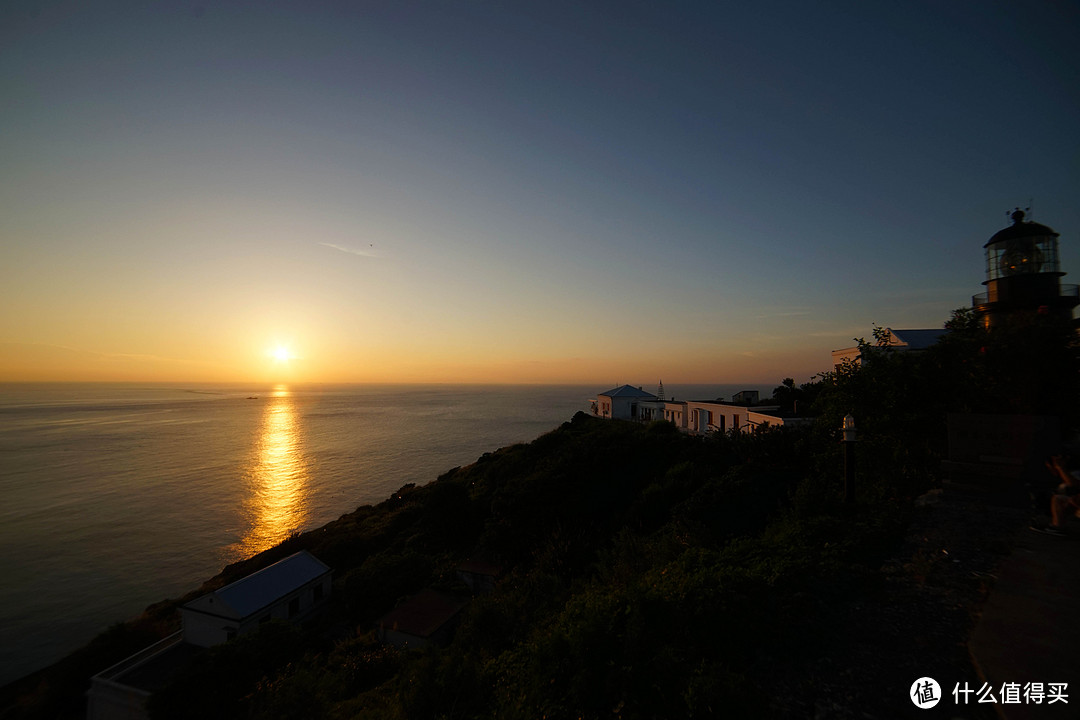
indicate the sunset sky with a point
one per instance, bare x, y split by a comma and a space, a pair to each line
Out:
513, 191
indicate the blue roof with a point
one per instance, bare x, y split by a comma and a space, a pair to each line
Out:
629, 391
251, 594
918, 339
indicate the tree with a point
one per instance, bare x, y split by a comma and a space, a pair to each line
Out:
1029, 364
794, 399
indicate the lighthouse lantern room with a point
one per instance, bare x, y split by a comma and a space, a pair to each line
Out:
1023, 274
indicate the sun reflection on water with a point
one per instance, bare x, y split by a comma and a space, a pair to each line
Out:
277, 479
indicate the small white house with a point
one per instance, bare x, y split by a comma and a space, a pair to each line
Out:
622, 403
290, 589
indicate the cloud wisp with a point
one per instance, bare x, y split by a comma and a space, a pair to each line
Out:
96, 356
351, 251
789, 314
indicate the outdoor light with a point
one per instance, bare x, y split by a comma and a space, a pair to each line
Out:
849, 459
849, 428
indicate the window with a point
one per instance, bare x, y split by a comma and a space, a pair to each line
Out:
317, 595
294, 607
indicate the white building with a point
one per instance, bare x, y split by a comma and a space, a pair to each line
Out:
692, 416
707, 416
622, 403
899, 340
290, 589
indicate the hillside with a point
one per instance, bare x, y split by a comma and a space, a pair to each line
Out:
645, 573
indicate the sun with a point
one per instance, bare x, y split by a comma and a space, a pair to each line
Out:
281, 354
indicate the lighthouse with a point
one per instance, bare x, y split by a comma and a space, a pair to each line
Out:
1023, 275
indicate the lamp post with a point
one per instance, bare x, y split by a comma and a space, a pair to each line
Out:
849, 458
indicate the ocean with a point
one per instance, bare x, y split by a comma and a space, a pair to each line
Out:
116, 496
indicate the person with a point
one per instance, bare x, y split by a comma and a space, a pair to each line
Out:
1065, 502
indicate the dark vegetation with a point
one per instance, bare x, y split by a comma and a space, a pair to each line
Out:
646, 573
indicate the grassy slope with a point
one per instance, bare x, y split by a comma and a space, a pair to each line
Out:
646, 573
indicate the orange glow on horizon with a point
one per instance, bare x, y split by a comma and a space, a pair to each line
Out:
348, 359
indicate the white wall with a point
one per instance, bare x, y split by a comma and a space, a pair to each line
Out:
206, 630
726, 417
209, 630
676, 413
620, 406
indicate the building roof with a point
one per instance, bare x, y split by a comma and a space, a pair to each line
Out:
898, 340
424, 613
629, 391
917, 339
249, 595
156, 672
1020, 229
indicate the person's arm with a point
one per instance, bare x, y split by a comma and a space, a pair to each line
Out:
1056, 466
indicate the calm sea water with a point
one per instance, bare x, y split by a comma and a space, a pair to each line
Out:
115, 496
